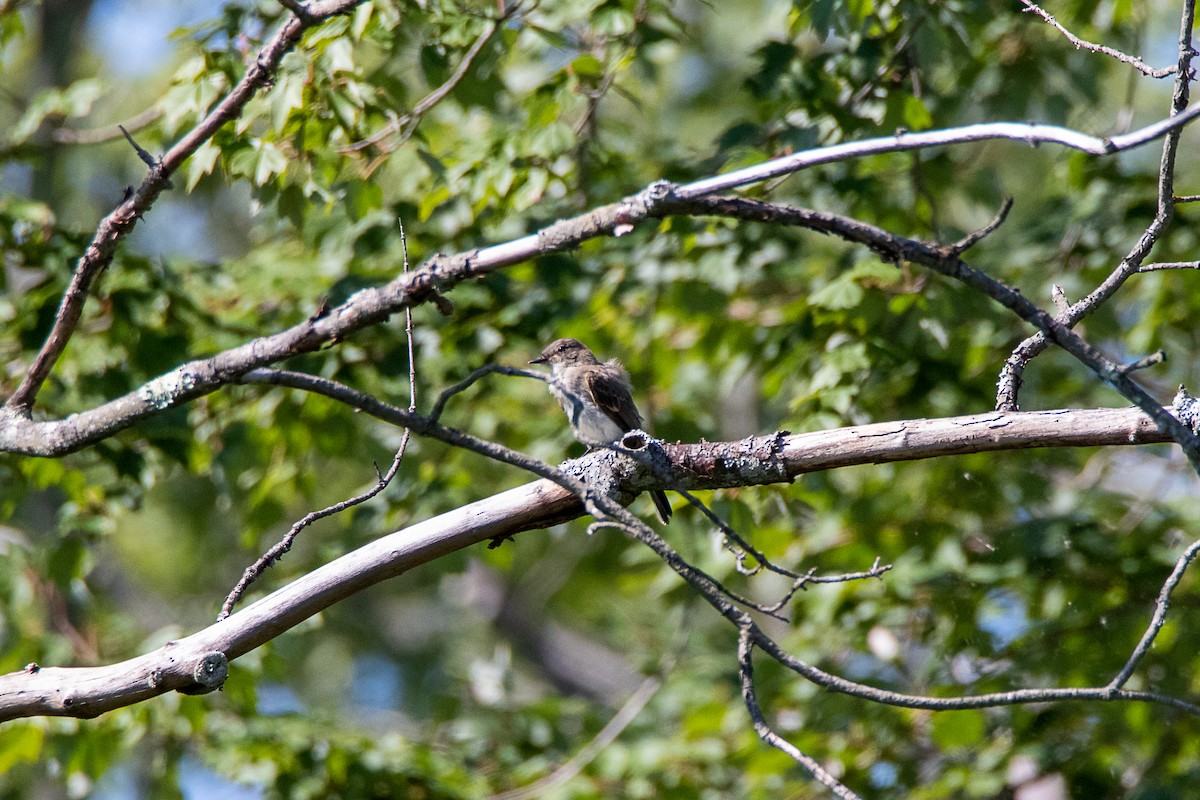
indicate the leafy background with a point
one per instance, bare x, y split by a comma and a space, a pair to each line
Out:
485, 670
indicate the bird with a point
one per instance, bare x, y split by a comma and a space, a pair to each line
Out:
597, 397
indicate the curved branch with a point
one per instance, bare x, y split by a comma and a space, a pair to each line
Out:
1030, 133
20, 434
88, 691
120, 222
1158, 619
764, 731
1009, 382
946, 260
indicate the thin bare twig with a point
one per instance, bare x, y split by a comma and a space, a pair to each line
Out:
1009, 381
1080, 44
1158, 619
146, 156
1032, 134
1144, 362
1167, 265
280, 548
488, 369
973, 238
406, 124
767, 734
276, 552
740, 548
575, 764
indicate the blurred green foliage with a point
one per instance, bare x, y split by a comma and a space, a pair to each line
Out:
1011, 570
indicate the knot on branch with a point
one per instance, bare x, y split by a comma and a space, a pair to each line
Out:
623, 469
166, 390
209, 674
1187, 409
649, 202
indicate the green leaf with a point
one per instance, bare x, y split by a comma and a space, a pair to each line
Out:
841, 293
271, 162
202, 163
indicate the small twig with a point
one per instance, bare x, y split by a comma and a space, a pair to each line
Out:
767, 734
575, 764
277, 551
1080, 44
406, 124
1157, 620
466, 382
1061, 303
740, 548
733, 596
149, 160
408, 330
1187, 198
1166, 265
1144, 362
970, 240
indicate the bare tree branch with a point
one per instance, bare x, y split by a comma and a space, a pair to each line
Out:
1166, 265
1080, 44
114, 227
767, 734
711, 591
1009, 382
944, 260
284, 545
737, 544
1158, 619
1030, 133
21, 434
88, 691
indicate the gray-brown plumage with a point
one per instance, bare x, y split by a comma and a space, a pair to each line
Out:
597, 397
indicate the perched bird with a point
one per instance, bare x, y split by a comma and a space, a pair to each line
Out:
597, 397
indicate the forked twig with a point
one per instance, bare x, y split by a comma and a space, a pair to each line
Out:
1124, 58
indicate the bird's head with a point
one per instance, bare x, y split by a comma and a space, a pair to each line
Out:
565, 353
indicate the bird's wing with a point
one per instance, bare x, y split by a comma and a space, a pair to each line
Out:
612, 396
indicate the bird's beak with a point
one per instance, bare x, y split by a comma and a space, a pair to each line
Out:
538, 360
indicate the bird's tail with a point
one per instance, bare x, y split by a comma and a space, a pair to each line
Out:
660, 502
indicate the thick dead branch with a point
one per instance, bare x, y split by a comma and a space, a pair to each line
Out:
88, 691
